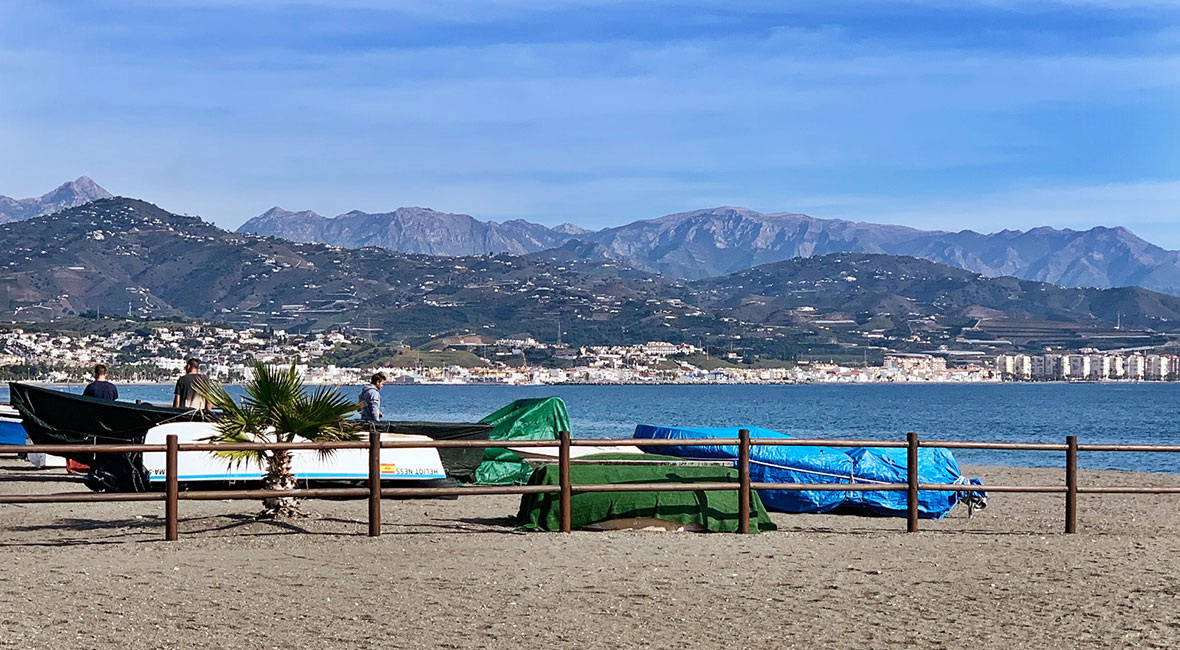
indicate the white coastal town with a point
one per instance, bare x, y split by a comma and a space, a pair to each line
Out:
157, 354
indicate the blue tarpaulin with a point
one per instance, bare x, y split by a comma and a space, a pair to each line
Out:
830, 465
767, 464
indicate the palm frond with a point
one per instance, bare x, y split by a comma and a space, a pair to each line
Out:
237, 423
322, 414
276, 407
273, 390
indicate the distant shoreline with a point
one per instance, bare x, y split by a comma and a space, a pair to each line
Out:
359, 382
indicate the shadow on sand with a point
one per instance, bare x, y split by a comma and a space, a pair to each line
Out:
150, 529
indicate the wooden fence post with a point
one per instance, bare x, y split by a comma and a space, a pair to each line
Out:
911, 495
374, 483
1071, 484
743, 468
171, 490
563, 477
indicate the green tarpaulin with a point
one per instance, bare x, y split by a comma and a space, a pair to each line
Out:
539, 418
715, 510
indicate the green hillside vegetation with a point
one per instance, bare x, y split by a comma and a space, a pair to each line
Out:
380, 355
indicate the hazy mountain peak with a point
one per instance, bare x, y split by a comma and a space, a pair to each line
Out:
570, 229
279, 213
67, 195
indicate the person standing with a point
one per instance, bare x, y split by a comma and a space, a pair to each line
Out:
100, 388
370, 399
185, 394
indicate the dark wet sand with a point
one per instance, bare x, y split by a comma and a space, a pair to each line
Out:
454, 574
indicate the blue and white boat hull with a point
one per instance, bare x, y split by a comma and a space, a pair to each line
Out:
307, 465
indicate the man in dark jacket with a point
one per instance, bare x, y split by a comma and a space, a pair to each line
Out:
187, 392
100, 387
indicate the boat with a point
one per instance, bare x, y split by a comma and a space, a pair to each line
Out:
195, 467
701, 510
56, 417
461, 463
11, 431
533, 418
829, 466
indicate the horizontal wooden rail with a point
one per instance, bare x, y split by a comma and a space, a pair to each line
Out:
565, 488
1136, 448
832, 487
1002, 446
258, 493
1103, 489
652, 487
58, 450
81, 497
962, 487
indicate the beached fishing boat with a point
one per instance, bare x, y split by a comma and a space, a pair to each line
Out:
55, 417
828, 465
422, 464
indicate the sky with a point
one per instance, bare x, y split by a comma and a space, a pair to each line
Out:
980, 114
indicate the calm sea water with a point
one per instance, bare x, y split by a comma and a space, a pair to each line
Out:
1109, 412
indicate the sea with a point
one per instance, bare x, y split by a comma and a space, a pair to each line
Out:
1039, 412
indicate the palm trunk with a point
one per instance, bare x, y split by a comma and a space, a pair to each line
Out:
280, 477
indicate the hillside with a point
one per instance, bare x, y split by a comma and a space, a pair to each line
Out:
125, 256
901, 289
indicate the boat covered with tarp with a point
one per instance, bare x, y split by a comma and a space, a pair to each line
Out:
536, 418
710, 510
827, 465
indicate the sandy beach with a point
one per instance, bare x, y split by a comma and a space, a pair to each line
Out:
454, 574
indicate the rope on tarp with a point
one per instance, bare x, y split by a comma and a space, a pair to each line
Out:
851, 478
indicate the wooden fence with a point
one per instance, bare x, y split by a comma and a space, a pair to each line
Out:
375, 491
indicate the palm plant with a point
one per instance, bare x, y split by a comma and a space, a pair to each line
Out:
276, 408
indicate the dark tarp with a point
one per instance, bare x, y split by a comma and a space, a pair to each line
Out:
714, 510
537, 418
54, 417
460, 464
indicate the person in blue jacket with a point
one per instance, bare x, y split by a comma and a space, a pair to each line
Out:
370, 399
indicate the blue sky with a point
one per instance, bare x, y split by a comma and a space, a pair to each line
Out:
985, 114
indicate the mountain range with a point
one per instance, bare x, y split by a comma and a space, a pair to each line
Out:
411, 230
716, 241
707, 243
122, 255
